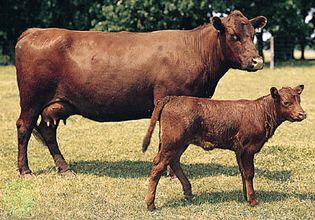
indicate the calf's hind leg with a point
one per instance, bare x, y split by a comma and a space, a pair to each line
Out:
178, 171
183, 179
159, 166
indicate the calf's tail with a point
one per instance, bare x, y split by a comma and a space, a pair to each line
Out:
154, 118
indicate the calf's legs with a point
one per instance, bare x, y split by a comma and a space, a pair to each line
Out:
167, 156
246, 165
241, 168
183, 179
158, 167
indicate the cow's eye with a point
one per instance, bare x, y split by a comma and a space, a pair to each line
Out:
234, 37
287, 104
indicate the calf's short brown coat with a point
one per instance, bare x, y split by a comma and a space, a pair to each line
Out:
242, 126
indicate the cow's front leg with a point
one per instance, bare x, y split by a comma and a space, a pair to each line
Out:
248, 165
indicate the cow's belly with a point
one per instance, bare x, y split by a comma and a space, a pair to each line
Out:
107, 98
112, 105
116, 111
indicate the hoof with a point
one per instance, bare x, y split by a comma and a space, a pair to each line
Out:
189, 197
151, 207
27, 176
68, 173
253, 202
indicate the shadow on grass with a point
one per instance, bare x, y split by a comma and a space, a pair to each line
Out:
237, 196
137, 169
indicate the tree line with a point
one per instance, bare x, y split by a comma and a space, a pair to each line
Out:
286, 18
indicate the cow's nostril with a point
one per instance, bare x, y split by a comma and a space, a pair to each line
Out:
302, 115
254, 60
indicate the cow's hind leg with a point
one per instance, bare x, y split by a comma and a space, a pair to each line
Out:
25, 125
47, 134
47, 130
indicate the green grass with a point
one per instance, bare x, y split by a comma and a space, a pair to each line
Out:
112, 171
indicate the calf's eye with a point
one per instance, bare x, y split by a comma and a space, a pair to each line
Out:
287, 104
234, 37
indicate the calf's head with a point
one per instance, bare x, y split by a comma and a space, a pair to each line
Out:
236, 35
288, 103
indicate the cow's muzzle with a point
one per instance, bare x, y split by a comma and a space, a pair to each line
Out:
255, 64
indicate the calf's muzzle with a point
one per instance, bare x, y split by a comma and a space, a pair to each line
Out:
301, 116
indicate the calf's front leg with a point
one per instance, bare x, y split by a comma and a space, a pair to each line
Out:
241, 168
247, 161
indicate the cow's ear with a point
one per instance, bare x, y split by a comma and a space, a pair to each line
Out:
258, 22
217, 24
299, 89
274, 93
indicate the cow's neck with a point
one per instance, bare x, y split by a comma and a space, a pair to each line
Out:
208, 43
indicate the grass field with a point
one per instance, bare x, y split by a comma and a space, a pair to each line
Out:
112, 171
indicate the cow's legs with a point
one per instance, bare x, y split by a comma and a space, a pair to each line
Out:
248, 165
25, 125
48, 135
158, 167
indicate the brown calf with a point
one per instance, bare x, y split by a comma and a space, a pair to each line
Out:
241, 125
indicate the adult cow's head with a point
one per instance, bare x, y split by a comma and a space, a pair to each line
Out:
236, 35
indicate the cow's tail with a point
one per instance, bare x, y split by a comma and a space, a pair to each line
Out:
154, 118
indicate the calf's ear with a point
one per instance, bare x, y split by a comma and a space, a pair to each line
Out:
274, 93
299, 89
258, 22
217, 24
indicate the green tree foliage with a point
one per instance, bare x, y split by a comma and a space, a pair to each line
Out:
18, 15
286, 18
148, 15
